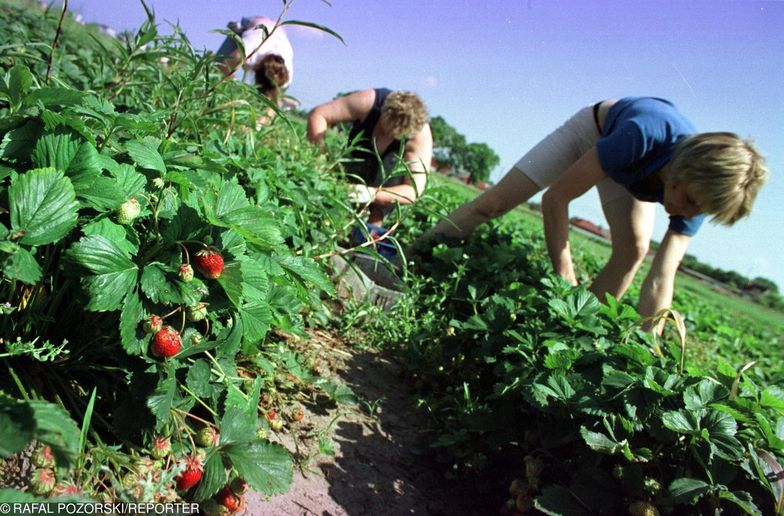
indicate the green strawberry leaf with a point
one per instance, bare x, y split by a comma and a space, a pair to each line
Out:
56, 428
84, 169
19, 82
237, 425
146, 155
231, 281
56, 149
103, 195
198, 379
43, 206
22, 266
114, 232
265, 466
160, 402
256, 319
307, 270
687, 490
157, 287
130, 181
213, 478
16, 426
131, 334
110, 273
54, 97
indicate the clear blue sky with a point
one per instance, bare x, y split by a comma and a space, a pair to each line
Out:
507, 72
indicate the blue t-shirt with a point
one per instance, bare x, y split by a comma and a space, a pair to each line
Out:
639, 136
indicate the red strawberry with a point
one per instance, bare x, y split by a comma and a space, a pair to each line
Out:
209, 262
228, 499
190, 476
153, 324
166, 343
271, 414
186, 272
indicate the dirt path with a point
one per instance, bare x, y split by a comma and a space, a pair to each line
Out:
381, 465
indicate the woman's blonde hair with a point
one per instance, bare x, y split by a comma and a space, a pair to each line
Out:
723, 172
404, 113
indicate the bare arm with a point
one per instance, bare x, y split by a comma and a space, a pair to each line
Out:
344, 109
417, 156
578, 179
659, 284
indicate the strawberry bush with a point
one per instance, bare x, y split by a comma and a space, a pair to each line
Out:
595, 416
156, 250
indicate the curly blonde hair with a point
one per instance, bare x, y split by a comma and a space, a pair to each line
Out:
723, 171
404, 114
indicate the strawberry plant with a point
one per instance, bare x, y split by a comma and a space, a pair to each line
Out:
120, 174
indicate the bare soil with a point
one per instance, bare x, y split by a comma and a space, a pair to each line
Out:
382, 463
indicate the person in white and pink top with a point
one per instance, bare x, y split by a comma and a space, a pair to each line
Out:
268, 54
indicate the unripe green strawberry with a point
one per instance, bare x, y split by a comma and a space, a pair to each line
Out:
238, 486
191, 336
161, 448
153, 324
261, 433
209, 262
158, 183
43, 457
128, 211
196, 313
276, 425
206, 437
186, 272
166, 343
43, 481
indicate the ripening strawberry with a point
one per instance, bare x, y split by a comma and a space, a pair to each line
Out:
128, 211
238, 486
207, 436
43, 457
190, 476
186, 272
153, 324
43, 481
161, 447
196, 313
228, 499
209, 262
166, 343
297, 414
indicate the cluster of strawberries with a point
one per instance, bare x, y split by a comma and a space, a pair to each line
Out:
167, 341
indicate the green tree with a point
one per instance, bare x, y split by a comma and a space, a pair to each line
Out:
452, 149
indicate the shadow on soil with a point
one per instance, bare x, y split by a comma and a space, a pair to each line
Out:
386, 466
